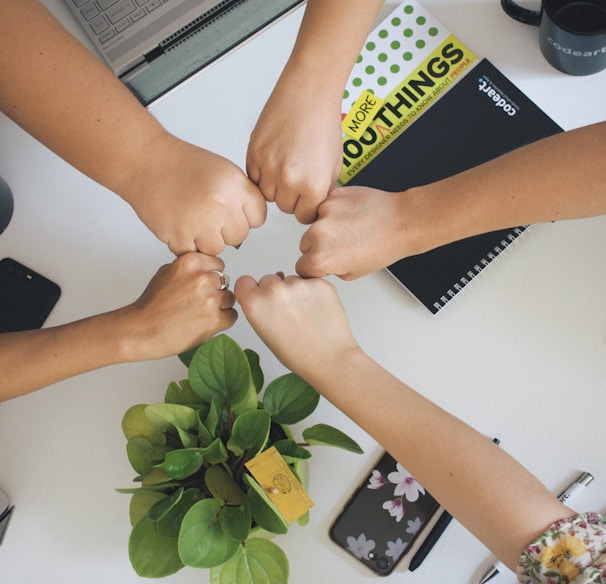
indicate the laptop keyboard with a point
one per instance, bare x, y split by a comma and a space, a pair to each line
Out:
107, 18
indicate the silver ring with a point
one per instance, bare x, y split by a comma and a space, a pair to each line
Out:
224, 278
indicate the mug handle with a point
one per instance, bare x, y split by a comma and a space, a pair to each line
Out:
524, 15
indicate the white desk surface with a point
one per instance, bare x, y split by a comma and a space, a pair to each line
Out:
521, 355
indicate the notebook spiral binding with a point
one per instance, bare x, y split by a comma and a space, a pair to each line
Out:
463, 284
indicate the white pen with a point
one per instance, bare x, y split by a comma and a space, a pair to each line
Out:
582, 480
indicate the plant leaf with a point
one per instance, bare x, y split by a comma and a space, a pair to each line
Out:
187, 356
249, 403
179, 416
204, 436
264, 511
135, 424
291, 451
141, 502
161, 508
151, 554
181, 393
158, 489
170, 524
202, 543
222, 487
143, 455
250, 433
303, 520
289, 399
236, 521
215, 453
180, 464
259, 562
188, 439
255, 369
219, 370
159, 479
213, 418
325, 435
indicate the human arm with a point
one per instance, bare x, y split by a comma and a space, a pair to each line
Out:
67, 99
304, 324
360, 230
295, 150
181, 307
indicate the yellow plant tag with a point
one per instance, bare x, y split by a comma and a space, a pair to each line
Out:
361, 114
281, 485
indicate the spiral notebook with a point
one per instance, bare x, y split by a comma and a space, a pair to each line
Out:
481, 117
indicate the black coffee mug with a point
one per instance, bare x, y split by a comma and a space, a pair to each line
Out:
572, 33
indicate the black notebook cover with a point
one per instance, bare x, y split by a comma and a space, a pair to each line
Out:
483, 116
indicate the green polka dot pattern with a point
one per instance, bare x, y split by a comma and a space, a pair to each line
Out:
402, 41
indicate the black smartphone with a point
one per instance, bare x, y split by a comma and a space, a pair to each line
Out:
386, 518
26, 297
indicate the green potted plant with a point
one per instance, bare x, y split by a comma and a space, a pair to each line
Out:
197, 504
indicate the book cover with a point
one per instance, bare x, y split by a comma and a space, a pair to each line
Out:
408, 62
481, 117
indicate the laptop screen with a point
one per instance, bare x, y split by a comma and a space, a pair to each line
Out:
154, 45
204, 45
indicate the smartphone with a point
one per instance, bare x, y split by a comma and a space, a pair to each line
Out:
26, 297
386, 518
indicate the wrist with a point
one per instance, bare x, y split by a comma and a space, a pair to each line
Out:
416, 229
308, 70
117, 337
328, 372
145, 166
339, 378
131, 334
90, 343
434, 217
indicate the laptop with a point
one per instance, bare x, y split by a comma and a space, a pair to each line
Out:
152, 45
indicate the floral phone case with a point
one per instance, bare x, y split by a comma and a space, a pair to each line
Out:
384, 517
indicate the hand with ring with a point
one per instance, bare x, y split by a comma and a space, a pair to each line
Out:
223, 278
186, 303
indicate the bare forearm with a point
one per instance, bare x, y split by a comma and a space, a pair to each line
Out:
303, 322
31, 360
330, 39
181, 307
483, 487
66, 98
561, 177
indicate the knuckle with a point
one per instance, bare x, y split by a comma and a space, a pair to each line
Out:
189, 261
211, 247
